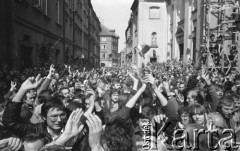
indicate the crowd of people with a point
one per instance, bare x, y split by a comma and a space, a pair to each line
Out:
156, 107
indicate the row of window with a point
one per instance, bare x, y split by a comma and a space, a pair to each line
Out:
104, 46
114, 47
105, 39
115, 40
153, 39
154, 12
104, 55
43, 5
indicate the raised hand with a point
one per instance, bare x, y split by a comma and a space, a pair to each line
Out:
13, 85
72, 129
69, 69
73, 126
31, 83
131, 76
167, 87
205, 76
95, 129
91, 102
149, 79
160, 118
13, 144
51, 72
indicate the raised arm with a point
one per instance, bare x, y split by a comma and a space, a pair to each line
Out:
47, 81
169, 107
29, 84
213, 101
11, 115
149, 78
131, 103
91, 102
135, 81
10, 92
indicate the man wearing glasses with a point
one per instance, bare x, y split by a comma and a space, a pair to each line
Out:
53, 113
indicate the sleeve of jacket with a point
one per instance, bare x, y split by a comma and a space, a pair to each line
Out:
123, 117
100, 114
44, 85
11, 119
8, 95
171, 112
213, 101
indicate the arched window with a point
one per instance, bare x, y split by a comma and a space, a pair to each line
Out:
154, 39
154, 12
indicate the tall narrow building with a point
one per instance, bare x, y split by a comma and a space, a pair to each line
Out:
108, 47
148, 25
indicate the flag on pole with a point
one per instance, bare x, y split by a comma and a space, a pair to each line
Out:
142, 49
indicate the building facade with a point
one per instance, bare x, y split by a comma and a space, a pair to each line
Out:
199, 27
186, 28
47, 31
109, 47
147, 26
123, 58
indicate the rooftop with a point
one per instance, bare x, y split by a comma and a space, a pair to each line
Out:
107, 32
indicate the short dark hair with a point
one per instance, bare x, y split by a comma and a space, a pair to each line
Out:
44, 96
117, 138
227, 101
73, 106
148, 111
33, 137
54, 103
114, 91
182, 110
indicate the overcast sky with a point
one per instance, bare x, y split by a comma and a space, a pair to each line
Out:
115, 15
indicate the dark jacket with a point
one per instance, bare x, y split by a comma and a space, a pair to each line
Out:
11, 119
171, 112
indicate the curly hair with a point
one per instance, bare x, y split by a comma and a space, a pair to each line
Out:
117, 138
